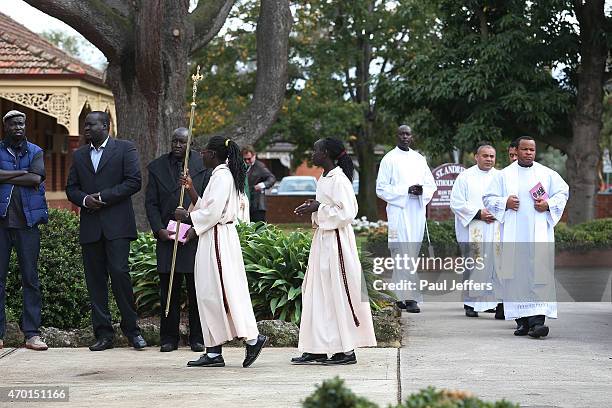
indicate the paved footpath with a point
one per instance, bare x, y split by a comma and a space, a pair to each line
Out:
571, 368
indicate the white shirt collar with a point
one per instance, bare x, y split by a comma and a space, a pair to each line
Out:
102, 146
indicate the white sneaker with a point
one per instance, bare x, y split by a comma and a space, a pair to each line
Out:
35, 343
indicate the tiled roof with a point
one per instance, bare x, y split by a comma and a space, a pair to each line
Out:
23, 52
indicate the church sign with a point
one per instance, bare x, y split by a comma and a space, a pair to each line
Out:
445, 176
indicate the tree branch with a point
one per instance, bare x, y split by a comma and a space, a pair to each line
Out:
208, 18
273, 29
98, 21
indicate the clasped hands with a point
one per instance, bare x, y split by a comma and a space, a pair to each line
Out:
94, 202
512, 203
417, 190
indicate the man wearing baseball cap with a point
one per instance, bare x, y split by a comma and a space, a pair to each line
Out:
22, 208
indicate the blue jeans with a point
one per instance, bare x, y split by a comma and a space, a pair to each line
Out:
26, 242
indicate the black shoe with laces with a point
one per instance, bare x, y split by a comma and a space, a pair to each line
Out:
252, 352
309, 358
205, 361
341, 359
537, 331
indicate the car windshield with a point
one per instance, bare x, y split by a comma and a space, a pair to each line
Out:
290, 186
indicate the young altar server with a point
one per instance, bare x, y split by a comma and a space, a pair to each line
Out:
477, 232
336, 316
221, 285
528, 199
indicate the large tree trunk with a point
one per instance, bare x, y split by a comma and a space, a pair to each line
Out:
148, 82
148, 44
584, 153
364, 148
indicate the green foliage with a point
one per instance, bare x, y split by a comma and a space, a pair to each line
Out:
589, 235
145, 279
275, 263
334, 394
60, 270
487, 75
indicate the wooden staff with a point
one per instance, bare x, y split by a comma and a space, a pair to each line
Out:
197, 77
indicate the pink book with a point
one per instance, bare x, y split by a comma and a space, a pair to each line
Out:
182, 230
538, 192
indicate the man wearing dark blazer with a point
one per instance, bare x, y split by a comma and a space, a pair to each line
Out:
162, 197
259, 178
102, 179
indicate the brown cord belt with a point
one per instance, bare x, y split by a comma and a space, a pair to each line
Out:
218, 254
348, 295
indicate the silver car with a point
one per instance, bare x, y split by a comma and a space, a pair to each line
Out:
296, 185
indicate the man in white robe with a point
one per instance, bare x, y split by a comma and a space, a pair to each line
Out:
476, 230
528, 199
405, 182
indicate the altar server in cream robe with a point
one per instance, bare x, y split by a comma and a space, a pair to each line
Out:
222, 290
405, 182
528, 199
336, 316
478, 233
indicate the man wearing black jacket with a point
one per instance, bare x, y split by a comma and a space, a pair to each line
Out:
162, 197
259, 178
102, 179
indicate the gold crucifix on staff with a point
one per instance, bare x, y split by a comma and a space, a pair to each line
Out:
197, 77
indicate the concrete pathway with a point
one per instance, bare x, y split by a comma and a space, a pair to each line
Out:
572, 367
443, 348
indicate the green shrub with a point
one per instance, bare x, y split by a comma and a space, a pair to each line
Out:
145, 279
589, 235
334, 394
275, 263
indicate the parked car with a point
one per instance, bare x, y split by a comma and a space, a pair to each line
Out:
296, 185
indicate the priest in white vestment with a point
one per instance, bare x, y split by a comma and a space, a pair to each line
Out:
336, 315
477, 231
528, 199
405, 182
222, 289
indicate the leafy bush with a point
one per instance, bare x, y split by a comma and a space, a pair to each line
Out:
589, 235
275, 263
334, 394
145, 279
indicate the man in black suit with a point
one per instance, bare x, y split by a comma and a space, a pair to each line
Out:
259, 178
162, 197
102, 179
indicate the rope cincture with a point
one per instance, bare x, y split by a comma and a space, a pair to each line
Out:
348, 295
218, 255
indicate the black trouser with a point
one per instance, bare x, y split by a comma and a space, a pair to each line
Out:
257, 215
101, 259
169, 326
531, 321
27, 245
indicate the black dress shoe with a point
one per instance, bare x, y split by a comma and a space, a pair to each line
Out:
341, 359
205, 361
499, 312
469, 311
138, 342
252, 352
102, 344
412, 306
537, 331
197, 346
522, 330
168, 347
309, 358
400, 305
